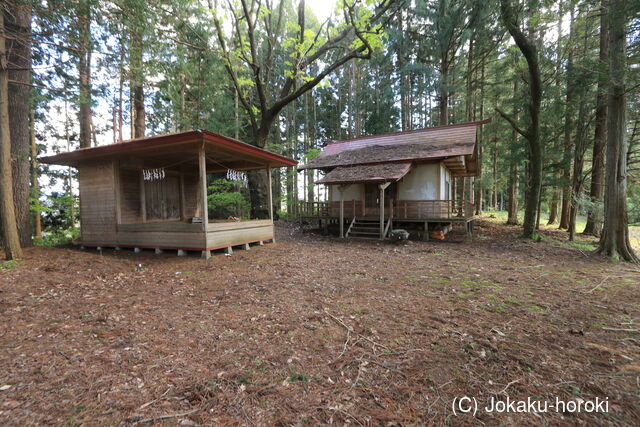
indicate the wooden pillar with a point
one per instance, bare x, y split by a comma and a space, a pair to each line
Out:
341, 190
143, 199
202, 162
381, 212
270, 193
381, 204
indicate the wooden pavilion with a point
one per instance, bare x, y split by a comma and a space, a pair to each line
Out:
405, 179
152, 192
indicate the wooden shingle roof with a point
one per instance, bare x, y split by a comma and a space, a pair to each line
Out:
418, 145
382, 172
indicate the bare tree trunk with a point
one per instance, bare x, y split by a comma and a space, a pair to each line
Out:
532, 134
443, 97
512, 201
8, 222
614, 241
594, 218
84, 71
137, 88
35, 186
19, 64
480, 145
568, 130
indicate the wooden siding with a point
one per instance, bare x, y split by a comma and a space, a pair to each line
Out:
190, 187
162, 239
161, 226
183, 235
220, 235
96, 182
130, 204
163, 198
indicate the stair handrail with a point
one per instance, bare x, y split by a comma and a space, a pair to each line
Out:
386, 229
350, 226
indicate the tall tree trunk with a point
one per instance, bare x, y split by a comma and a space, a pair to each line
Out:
84, 72
512, 200
568, 130
19, 63
8, 221
594, 218
480, 145
578, 166
137, 89
35, 186
614, 241
529, 51
443, 96
556, 193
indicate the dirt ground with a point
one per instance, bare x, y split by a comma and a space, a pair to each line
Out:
317, 330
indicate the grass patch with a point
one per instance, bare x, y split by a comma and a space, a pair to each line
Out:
582, 246
8, 265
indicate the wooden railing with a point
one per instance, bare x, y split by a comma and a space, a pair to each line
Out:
397, 210
427, 209
313, 209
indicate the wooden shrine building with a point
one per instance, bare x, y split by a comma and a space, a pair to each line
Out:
152, 192
402, 179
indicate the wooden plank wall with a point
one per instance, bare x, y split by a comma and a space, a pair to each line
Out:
163, 198
130, 204
229, 234
191, 185
96, 182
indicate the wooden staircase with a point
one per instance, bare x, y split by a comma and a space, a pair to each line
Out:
363, 228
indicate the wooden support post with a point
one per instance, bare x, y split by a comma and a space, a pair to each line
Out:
202, 163
341, 191
270, 193
143, 199
426, 231
381, 204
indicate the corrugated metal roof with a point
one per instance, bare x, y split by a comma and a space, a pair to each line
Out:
366, 173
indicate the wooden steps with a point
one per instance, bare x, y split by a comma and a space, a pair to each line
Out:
364, 229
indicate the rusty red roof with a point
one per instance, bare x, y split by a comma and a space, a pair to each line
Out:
171, 141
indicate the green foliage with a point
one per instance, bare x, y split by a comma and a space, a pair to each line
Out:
224, 200
60, 211
8, 265
59, 237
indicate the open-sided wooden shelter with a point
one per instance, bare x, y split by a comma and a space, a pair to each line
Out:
396, 178
152, 192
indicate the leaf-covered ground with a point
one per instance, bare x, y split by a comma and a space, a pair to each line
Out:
315, 330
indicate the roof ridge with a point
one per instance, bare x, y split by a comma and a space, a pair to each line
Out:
406, 132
